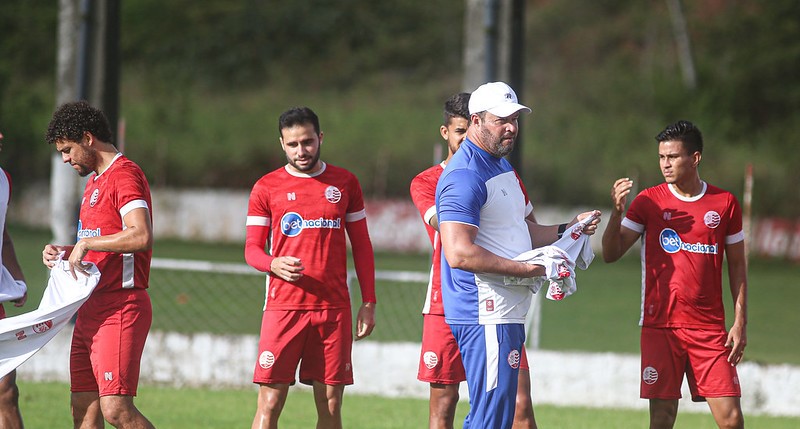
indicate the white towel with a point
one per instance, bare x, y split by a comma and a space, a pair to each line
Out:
10, 289
23, 335
559, 260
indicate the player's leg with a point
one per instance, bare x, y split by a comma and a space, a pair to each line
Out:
440, 366
86, 412
663, 413
442, 405
120, 412
10, 417
523, 413
280, 347
664, 362
271, 399
328, 400
711, 376
727, 412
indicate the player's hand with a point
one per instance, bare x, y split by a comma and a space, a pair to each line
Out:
365, 321
737, 341
51, 253
288, 268
21, 301
76, 263
619, 193
591, 227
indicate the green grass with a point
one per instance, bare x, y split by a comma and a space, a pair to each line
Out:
46, 405
601, 317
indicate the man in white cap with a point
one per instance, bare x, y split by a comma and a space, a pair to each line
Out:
482, 212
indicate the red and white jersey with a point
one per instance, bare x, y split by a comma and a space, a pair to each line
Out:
306, 215
683, 240
108, 197
423, 193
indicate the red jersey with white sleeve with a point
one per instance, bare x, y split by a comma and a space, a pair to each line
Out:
306, 216
683, 241
107, 198
423, 193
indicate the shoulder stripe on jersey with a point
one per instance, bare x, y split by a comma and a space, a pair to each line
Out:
133, 205
528, 209
735, 238
429, 214
257, 221
627, 223
356, 216
462, 223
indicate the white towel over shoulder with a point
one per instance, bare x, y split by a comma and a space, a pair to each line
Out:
559, 260
22, 336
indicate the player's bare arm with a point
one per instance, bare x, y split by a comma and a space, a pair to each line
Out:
544, 235
616, 239
460, 250
737, 273
12, 264
136, 237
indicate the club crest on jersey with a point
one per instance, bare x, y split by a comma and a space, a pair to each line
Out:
333, 194
671, 243
292, 224
266, 359
711, 219
95, 196
650, 375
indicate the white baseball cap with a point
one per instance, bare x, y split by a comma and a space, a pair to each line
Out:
496, 98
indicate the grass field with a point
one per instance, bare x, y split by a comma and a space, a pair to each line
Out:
46, 405
602, 316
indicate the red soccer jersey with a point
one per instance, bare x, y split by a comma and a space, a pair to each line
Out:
682, 251
423, 193
108, 197
306, 215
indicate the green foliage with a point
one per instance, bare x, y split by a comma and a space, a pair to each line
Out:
203, 84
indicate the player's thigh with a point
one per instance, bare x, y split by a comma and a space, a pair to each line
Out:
663, 363
327, 354
280, 345
710, 374
440, 359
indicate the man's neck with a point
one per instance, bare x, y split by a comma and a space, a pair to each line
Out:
689, 188
107, 155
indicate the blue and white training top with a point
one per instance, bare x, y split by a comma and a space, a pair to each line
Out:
479, 189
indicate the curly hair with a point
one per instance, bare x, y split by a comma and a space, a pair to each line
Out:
71, 120
298, 116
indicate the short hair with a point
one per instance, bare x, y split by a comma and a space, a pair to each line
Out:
298, 116
457, 106
684, 132
71, 120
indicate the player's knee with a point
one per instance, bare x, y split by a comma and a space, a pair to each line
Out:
731, 420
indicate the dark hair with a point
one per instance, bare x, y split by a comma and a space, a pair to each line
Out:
456, 106
684, 132
298, 116
71, 120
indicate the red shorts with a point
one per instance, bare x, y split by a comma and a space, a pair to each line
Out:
669, 353
320, 341
440, 360
108, 341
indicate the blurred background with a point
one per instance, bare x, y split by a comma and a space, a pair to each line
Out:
202, 83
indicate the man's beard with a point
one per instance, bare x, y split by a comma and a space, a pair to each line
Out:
496, 144
308, 167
